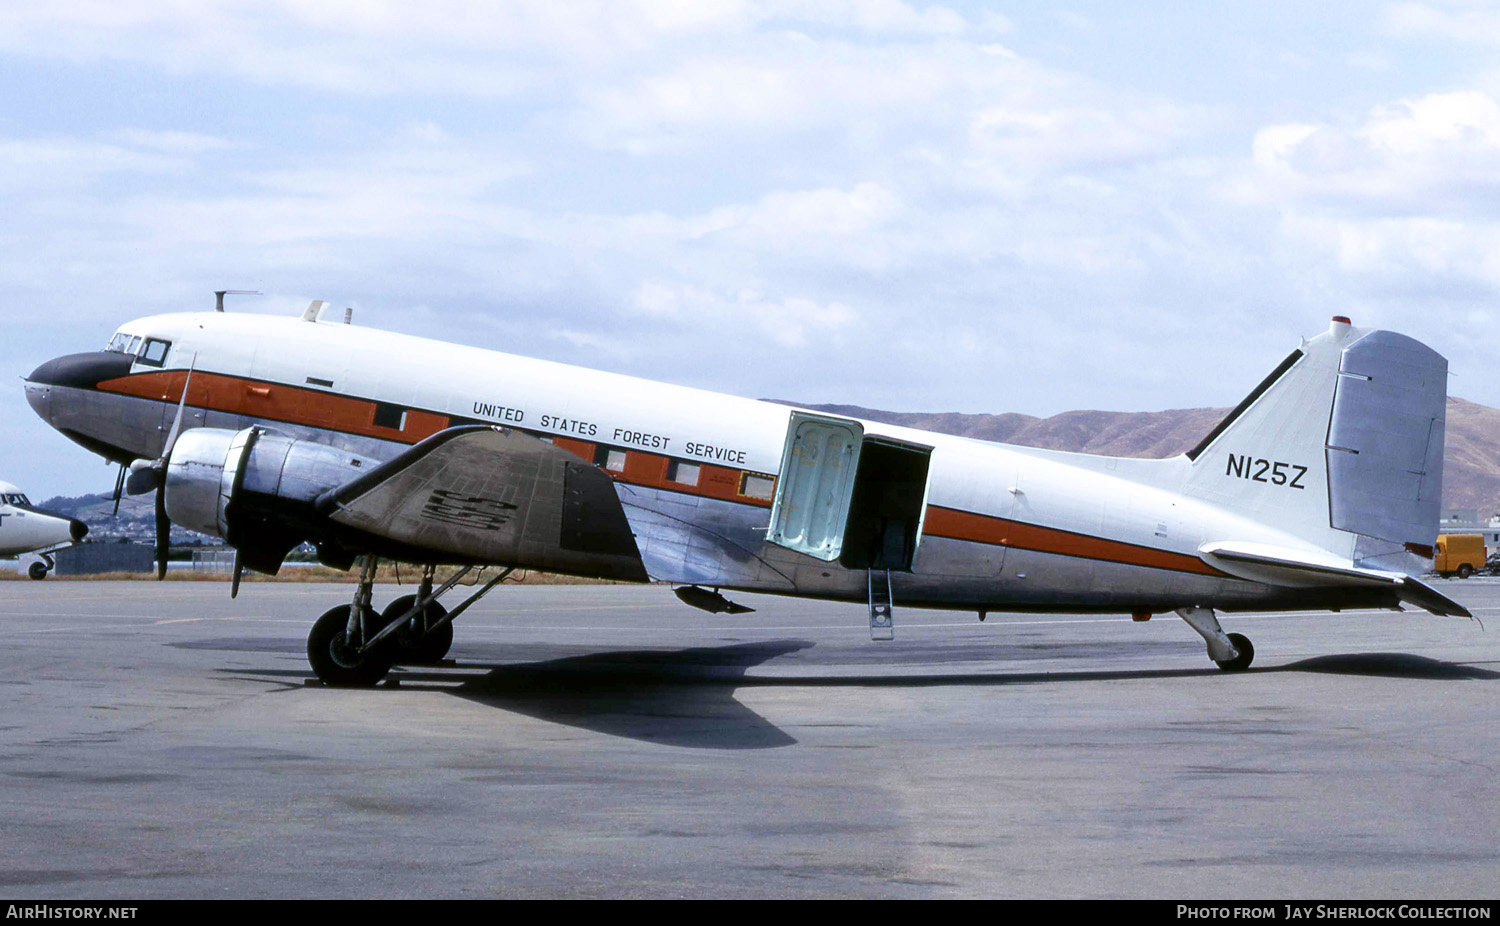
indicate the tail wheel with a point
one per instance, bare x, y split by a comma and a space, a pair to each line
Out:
338, 664
37, 571
412, 645
1246, 654
1465, 570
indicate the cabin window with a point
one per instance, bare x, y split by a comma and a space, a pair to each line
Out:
754, 485
683, 472
155, 352
389, 416
610, 458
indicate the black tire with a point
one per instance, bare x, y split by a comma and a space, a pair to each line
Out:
336, 664
37, 571
1241, 662
1465, 570
410, 646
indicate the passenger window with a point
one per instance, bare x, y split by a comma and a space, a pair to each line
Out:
389, 416
756, 486
685, 473
155, 353
611, 459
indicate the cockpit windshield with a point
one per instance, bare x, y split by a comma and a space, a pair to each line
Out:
18, 500
151, 352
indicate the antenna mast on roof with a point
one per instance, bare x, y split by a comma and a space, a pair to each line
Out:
219, 295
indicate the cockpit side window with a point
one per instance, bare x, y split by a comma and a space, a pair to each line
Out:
155, 352
135, 345
14, 500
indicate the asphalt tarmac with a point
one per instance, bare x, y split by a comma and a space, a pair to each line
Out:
161, 740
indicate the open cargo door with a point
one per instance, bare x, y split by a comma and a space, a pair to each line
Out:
847, 497
811, 506
885, 513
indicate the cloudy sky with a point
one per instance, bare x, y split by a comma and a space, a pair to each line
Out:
1027, 207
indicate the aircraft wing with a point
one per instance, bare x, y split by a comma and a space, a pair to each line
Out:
488, 495
1302, 569
685, 542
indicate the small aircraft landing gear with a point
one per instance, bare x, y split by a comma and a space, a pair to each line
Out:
354, 646
337, 659
1230, 652
427, 637
336, 647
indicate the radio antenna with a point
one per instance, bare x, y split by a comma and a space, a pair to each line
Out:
219, 295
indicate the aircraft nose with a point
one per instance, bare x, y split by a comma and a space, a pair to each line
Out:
40, 399
83, 371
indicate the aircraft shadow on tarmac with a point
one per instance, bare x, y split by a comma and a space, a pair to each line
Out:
1388, 665
686, 698
683, 698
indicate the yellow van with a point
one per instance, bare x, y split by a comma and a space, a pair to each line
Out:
1458, 554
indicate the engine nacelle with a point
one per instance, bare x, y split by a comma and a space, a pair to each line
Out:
255, 488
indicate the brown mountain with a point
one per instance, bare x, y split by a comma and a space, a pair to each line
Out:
1471, 470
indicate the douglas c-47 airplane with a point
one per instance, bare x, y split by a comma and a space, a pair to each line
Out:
1320, 490
25, 528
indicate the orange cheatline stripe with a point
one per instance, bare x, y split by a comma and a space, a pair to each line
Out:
317, 408
978, 528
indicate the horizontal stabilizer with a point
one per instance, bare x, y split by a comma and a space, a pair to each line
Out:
1282, 566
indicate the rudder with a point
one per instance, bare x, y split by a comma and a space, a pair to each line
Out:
1342, 446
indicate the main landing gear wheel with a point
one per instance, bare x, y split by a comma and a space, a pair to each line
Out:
339, 664
1241, 662
412, 645
37, 571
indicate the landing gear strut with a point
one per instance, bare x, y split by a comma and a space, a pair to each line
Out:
426, 637
354, 646
1231, 652
336, 648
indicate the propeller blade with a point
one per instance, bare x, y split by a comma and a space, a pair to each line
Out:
166, 450
239, 570
163, 534
119, 489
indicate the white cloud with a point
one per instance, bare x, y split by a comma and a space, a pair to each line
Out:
1465, 21
1432, 155
786, 321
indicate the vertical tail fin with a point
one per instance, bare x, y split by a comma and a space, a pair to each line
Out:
1342, 446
